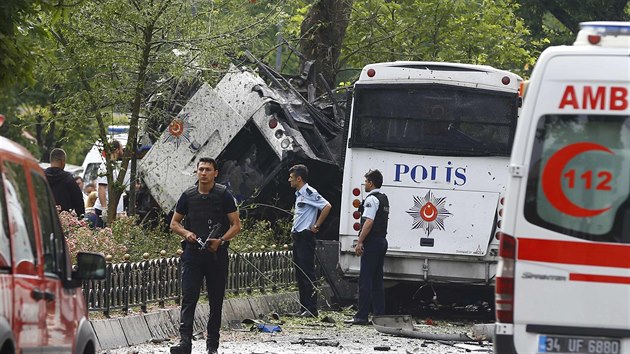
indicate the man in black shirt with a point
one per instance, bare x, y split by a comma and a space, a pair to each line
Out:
210, 219
67, 193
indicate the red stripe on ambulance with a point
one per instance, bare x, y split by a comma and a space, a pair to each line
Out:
569, 252
594, 278
613, 98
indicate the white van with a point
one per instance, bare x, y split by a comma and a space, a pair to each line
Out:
563, 283
94, 158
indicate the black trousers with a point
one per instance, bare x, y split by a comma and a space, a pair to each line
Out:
304, 259
371, 288
214, 267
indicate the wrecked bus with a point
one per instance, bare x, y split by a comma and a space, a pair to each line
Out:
256, 132
441, 134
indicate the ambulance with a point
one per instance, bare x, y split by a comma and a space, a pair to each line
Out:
563, 280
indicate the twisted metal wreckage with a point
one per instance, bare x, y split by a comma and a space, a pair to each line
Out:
256, 131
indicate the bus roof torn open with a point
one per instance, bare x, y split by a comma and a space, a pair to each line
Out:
256, 132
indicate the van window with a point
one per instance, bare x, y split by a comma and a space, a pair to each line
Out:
5, 243
45, 212
19, 211
578, 180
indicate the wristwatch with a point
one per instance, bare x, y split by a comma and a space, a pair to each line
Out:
316, 226
222, 241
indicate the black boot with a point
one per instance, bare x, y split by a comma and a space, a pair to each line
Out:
183, 347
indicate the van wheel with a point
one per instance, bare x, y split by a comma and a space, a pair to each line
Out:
7, 348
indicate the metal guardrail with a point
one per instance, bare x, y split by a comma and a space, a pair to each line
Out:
137, 284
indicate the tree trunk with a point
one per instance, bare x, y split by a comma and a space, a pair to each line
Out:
322, 33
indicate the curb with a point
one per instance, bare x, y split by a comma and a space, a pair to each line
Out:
132, 330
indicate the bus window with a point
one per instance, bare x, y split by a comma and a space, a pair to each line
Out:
434, 119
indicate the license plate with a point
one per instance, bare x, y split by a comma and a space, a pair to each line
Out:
579, 345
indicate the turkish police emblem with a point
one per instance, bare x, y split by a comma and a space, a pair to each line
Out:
428, 213
179, 130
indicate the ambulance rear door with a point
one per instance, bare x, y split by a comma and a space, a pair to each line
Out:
572, 227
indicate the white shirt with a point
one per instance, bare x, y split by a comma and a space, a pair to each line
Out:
102, 180
371, 204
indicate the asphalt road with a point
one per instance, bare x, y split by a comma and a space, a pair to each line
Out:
314, 336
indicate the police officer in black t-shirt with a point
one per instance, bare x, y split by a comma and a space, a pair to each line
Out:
372, 246
210, 219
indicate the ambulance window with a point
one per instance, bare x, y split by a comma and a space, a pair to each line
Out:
20, 216
578, 180
45, 210
5, 242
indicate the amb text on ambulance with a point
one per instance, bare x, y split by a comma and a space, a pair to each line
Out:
563, 281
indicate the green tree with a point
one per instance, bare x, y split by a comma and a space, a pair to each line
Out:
557, 22
479, 32
117, 53
322, 33
476, 32
20, 29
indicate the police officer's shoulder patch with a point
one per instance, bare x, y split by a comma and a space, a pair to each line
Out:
368, 205
309, 191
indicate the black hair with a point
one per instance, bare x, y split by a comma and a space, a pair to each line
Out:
300, 171
57, 154
376, 177
116, 144
209, 160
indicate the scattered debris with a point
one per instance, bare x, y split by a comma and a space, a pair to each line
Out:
481, 332
328, 319
322, 342
403, 326
268, 328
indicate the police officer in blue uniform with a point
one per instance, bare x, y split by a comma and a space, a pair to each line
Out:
372, 246
306, 223
209, 215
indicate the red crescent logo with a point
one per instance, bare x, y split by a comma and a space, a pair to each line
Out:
552, 179
428, 212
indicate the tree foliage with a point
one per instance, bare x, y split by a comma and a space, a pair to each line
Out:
558, 21
20, 30
479, 32
476, 32
116, 54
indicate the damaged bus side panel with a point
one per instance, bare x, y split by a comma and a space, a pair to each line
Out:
256, 132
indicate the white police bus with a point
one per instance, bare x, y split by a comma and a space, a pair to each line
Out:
441, 134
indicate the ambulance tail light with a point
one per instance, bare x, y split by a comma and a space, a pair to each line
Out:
504, 291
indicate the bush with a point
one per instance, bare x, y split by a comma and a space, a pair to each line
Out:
81, 238
139, 240
124, 236
257, 235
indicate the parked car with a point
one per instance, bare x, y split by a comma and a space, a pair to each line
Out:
42, 308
